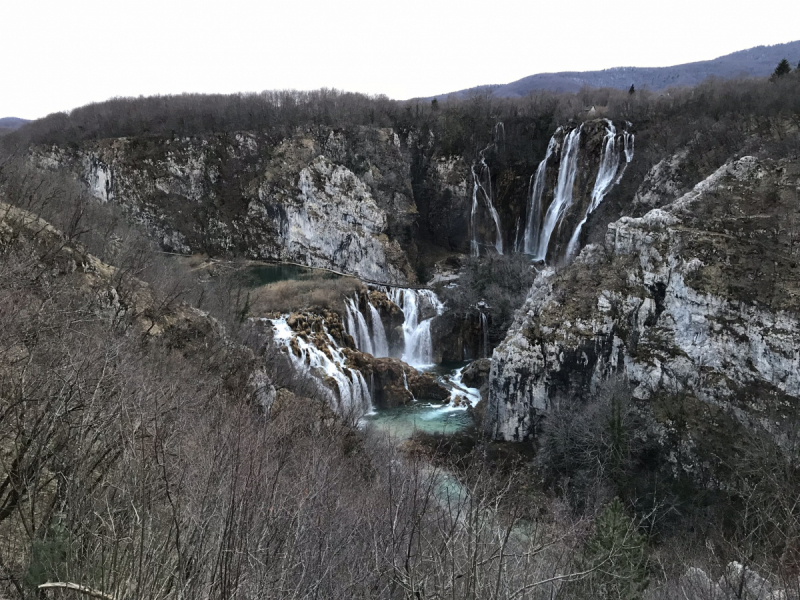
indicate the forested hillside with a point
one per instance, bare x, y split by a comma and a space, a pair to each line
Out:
518, 349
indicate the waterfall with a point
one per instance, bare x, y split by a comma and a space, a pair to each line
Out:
417, 344
487, 197
356, 326
405, 385
379, 342
354, 398
533, 223
562, 198
485, 332
627, 144
371, 340
607, 178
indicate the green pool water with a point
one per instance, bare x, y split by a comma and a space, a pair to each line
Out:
403, 421
264, 274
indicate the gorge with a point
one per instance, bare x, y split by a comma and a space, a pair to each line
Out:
570, 312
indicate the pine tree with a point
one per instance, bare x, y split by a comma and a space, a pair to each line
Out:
617, 556
632, 90
782, 69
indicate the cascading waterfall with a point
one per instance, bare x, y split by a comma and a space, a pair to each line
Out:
379, 342
371, 340
533, 223
562, 198
356, 326
607, 178
477, 185
417, 344
354, 398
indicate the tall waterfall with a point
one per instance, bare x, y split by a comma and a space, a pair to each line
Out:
534, 218
417, 344
607, 177
354, 399
477, 186
563, 194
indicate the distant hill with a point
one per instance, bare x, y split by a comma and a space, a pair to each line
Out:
754, 62
12, 123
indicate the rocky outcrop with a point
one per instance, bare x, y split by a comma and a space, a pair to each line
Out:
394, 383
476, 374
319, 197
700, 297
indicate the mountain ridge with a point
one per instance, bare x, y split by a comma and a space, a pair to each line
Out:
759, 61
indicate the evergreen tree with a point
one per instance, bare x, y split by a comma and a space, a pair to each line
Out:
617, 556
632, 90
782, 69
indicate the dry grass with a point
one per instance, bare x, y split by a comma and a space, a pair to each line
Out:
318, 292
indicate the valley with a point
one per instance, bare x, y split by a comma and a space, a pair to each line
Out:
248, 340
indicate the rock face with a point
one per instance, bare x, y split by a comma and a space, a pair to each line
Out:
319, 197
700, 297
393, 383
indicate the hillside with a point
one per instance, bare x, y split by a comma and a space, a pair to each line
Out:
753, 62
12, 123
542, 353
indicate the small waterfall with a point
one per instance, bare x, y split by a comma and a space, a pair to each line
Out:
477, 185
371, 340
405, 384
533, 223
417, 344
627, 145
607, 178
562, 198
485, 334
354, 398
379, 343
356, 326
517, 245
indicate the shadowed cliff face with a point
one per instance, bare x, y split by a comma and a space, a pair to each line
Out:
699, 298
320, 198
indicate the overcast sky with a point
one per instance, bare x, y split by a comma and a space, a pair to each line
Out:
60, 55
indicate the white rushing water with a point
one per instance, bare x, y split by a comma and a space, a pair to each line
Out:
379, 343
607, 177
486, 191
353, 399
562, 199
370, 339
417, 343
356, 326
533, 224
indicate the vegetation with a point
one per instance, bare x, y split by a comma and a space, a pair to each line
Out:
152, 445
317, 293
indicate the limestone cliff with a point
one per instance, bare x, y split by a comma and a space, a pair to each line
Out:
699, 297
319, 197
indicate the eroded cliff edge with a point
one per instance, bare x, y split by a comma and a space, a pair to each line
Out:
699, 298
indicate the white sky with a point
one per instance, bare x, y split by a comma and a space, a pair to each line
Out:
57, 55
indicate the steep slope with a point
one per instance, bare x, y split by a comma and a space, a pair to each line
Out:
699, 298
